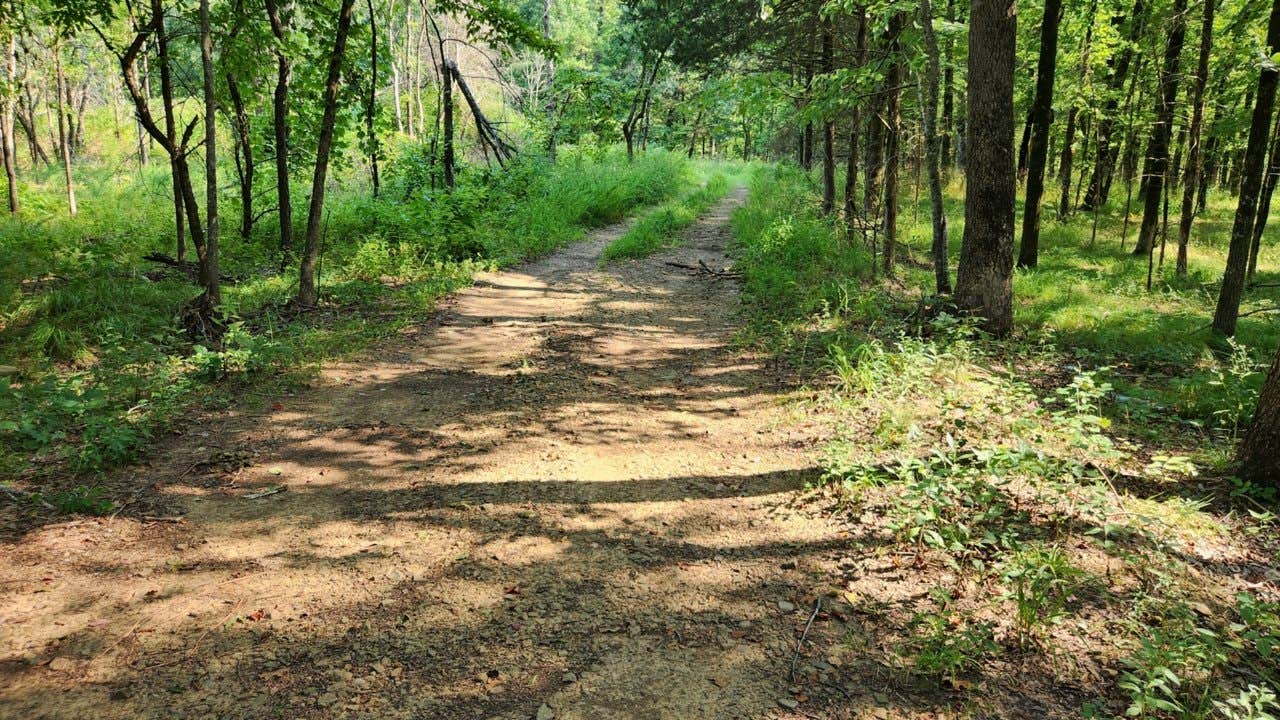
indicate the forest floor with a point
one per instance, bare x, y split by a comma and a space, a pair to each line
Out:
567, 495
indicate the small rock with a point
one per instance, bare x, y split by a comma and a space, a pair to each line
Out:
785, 606
788, 703
545, 712
62, 664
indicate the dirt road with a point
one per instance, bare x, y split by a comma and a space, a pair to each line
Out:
566, 496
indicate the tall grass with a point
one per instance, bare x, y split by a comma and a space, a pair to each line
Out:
662, 227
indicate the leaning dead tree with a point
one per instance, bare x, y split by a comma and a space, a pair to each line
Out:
490, 137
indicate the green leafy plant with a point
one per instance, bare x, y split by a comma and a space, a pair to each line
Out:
1040, 580
945, 644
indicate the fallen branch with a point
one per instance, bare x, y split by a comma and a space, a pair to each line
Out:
795, 657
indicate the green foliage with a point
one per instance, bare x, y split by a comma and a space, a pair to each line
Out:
1171, 668
80, 500
946, 644
103, 365
795, 264
1252, 703
1039, 581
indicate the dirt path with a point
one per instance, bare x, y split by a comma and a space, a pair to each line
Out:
568, 497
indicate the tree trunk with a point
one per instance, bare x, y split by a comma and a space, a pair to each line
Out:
243, 153
209, 263
170, 129
1156, 166
933, 151
7, 149
1041, 120
551, 83
63, 145
828, 125
855, 130
307, 294
1228, 310
177, 151
1257, 456
893, 140
1264, 200
984, 282
1100, 181
1193, 177
947, 131
446, 104
1068, 159
280, 19
371, 102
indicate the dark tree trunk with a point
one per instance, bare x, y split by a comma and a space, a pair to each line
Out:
307, 295
177, 150
243, 153
1156, 165
280, 124
873, 158
828, 126
947, 131
170, 129
1100, 181
209, 264
1264, 199
933, 152
1064, 167
1024, 145
893, 140
1192, 179
855, 131
446, 103
1259, 461
1228, 310
1041, 120
984, 281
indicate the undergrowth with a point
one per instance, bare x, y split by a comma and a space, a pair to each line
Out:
99, 366
1069, 483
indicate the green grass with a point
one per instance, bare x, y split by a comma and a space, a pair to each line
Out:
663, 226
102, 365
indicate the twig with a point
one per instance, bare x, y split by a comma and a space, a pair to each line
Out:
795, 657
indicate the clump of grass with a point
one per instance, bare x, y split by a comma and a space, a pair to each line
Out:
662, 228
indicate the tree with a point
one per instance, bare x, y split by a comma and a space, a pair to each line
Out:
213, 294
1259, 462
933, 151
8, 100
1100, 179
1193, 175
1156, 165
1228, 310
64, 144
1041, 120
984, 279
307, 293
280, 19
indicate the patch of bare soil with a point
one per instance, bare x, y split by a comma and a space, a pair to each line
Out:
568, 496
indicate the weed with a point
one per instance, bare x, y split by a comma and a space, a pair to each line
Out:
945, 644
1040, 580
